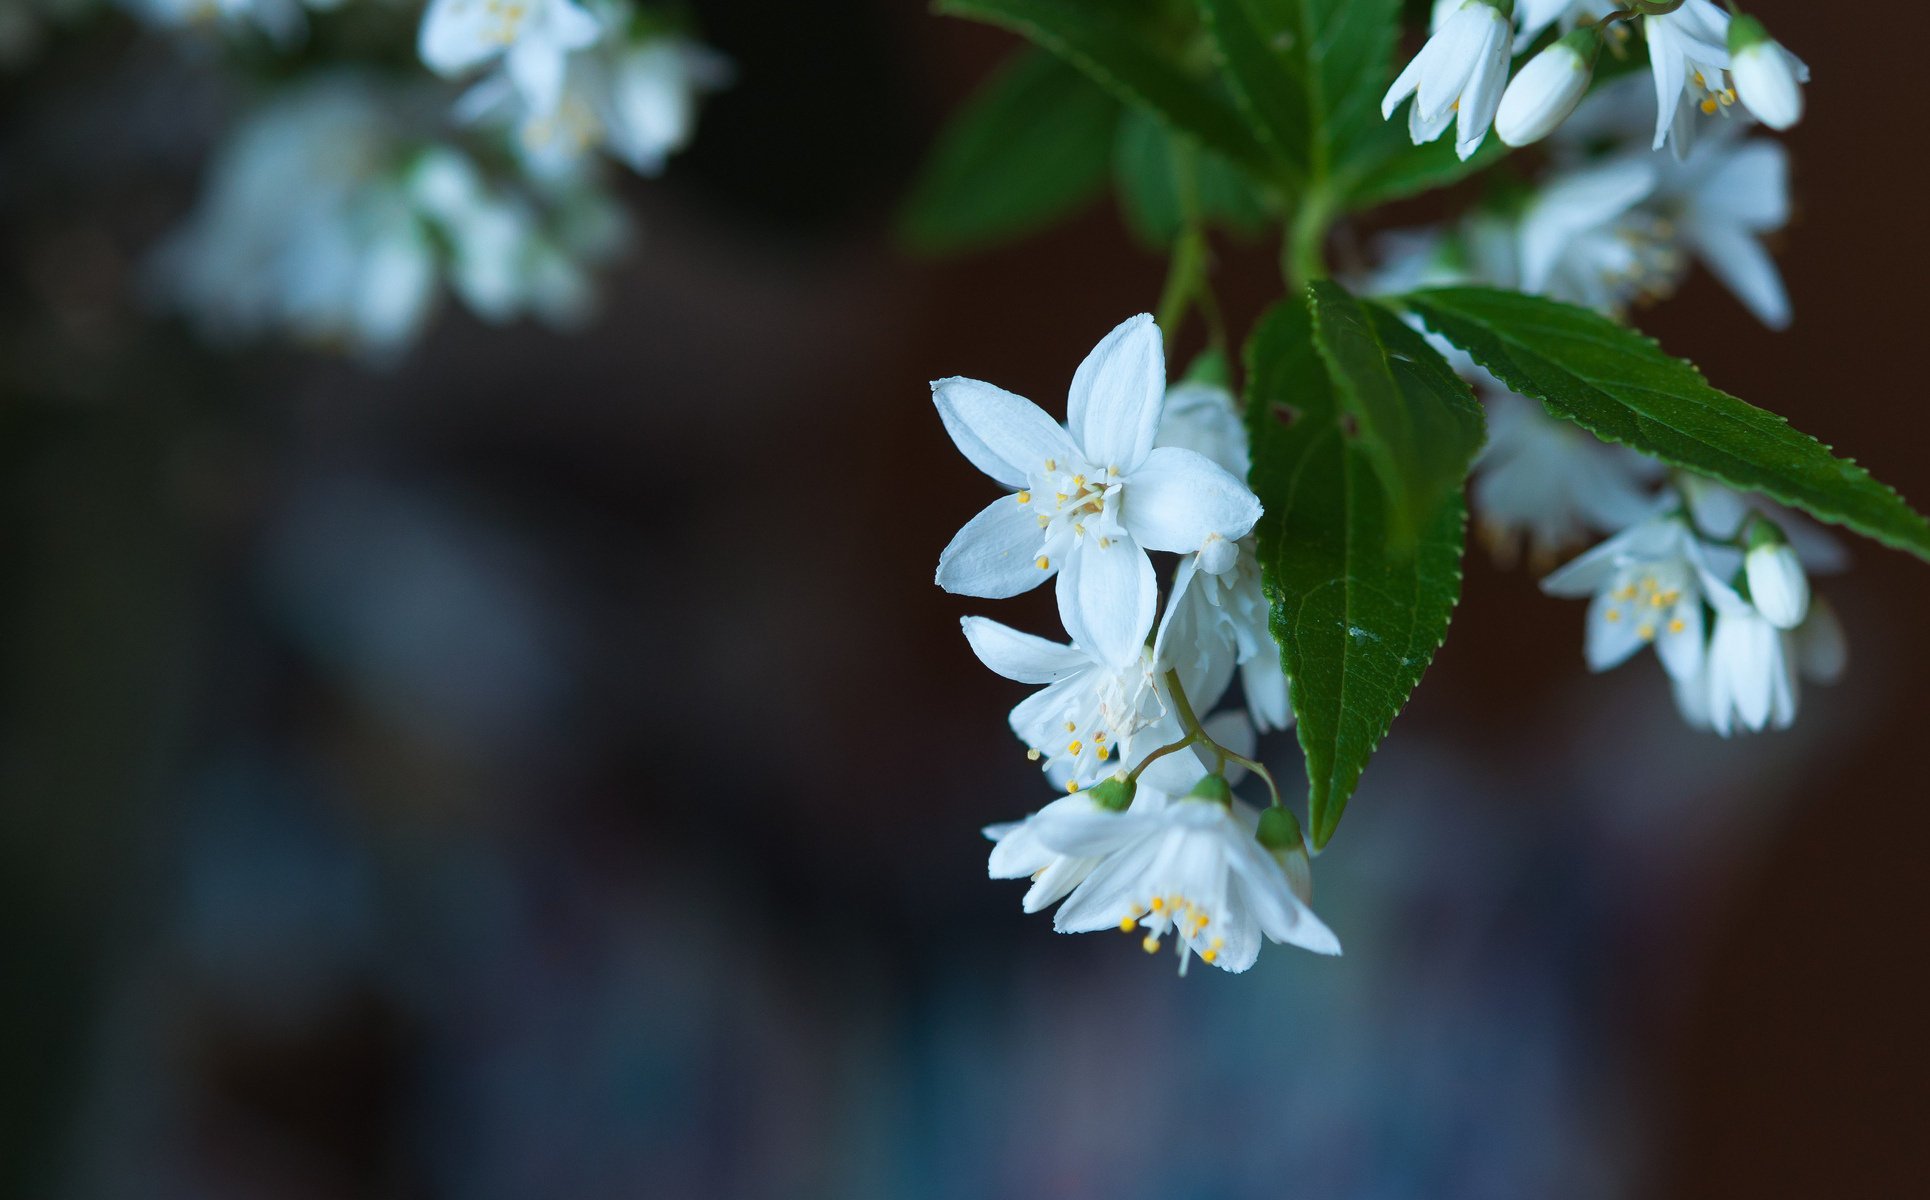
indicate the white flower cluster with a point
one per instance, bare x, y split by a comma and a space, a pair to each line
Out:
338, 208
1149, 837
1719, 585
323, 220
1703, 61
569, 80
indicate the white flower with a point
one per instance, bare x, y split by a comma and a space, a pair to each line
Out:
1088, 501
1092, 718
533, 38
1461, 71
1778, 586
1547, 89
306, 225
1189, 867
1751, 667
1218, 590
1722, 198
1584, 240
637, 102
1551, 482
1688, 53
1769, 79
1533, 16
1647, 589
1018, 853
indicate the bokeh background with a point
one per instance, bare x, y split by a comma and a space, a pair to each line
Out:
546, 769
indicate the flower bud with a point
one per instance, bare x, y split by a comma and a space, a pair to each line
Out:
1545, 91
1217, 554
1214, 788
1777, 585
1768, 78
1114, 794
1280, 834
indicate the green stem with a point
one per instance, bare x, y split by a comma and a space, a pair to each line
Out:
1303, 257
1183, 281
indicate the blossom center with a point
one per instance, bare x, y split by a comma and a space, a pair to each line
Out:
1074, 504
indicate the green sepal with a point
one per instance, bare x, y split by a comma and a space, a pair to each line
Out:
1114, 794
1746, 31
1214, 788
1279, 831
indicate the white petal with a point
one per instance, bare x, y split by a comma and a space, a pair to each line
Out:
1008, 437
1671, 74
1021, 656
1613, 632
1822, 649
455, 36
1777, 585
1178, 498
1682, 649
996, 554
569, 26
1107, 597
1114, 405
1735, 257
536, 68
1749, 185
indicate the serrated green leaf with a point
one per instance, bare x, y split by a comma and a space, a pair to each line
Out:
1146, 166
1620, 386
1107, 40
1414, 419
1031, 146
1356, 620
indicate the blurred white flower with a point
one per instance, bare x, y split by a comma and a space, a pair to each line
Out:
1551, 483
636, 102
1646, 588
1721, 199
284, 21
532, 37
1585, 239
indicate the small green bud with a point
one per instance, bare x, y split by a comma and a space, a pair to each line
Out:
1746, 31
1586, 42
1209, 368
1113, 795
1212, 787
1505, 7
1764, 532
1279, 831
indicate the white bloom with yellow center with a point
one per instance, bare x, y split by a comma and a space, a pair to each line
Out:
534, 38
1190, 868
1550, 483
1089, 498
1689, 58
1646, 590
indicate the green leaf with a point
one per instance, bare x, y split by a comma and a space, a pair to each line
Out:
1033, 145
1412, 417
1307, 75
1621, 387
1357, 621
1146, 170
1109, 40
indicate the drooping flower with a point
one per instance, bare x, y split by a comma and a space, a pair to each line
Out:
1647, 589
1017, 853
1188, 866
1778, 586
1688, 55
1751, 667
635, 101
1460, 73
1551, 483
1721, 199
1769, 79
1089, 498
1584, 240
1217, 590
534, 38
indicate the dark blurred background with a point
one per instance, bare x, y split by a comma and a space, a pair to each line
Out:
546, 768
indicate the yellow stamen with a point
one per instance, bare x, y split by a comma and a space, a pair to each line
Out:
1074, 747
1678, 625
1051, 464
1150, 945
1025, 497
1646, 632
1126, 924
1033, 755
1209, 955
1613, 614
1043, 562
1072, 787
